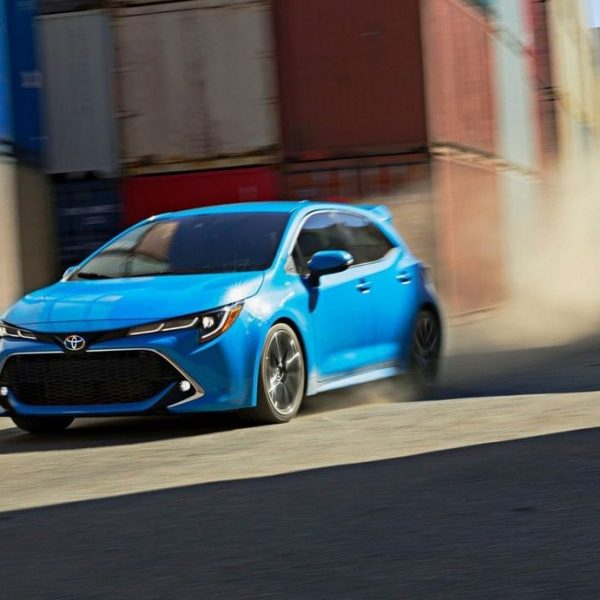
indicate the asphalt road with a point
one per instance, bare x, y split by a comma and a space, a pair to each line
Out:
477, 493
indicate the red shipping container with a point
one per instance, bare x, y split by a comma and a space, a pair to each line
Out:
469, 235
351, 77
147, 196
459, 75
354, 77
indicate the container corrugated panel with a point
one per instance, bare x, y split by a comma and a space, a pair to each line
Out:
26, 79
469, 235
573, 60
79, 107
403, 186
150, 195
5, 103
196, 83
459, 75
351, 77
89, 213
542, 68
515, 89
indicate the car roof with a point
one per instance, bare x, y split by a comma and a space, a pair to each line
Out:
288, 206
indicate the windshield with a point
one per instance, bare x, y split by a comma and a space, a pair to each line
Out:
209, 243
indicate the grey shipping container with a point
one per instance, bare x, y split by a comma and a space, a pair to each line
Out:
196, 84
77, 51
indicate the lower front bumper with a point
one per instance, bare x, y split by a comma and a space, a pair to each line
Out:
219, 375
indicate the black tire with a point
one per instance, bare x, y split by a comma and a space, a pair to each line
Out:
42, 424
282, 377
425, 355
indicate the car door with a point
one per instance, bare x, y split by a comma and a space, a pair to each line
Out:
341, 311
389, 272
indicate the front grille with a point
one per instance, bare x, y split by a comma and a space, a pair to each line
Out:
87, 379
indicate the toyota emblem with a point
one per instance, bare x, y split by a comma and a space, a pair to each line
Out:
74, 343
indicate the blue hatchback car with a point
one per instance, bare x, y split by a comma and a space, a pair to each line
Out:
242, 307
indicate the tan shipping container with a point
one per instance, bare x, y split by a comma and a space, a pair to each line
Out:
196, 85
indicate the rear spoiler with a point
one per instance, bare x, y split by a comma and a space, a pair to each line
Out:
380, 212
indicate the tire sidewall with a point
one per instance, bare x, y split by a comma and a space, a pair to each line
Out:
265, 406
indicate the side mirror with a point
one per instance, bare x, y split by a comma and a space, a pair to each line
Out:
68, 272
327, 262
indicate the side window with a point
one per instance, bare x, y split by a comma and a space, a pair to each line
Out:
367, 243
320, 232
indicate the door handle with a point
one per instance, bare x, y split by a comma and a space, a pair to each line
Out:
364, 287
404, 277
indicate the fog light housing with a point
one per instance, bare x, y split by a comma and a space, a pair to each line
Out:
4, 391
185, 386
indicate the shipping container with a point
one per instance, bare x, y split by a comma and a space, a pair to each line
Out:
88, 214
468, 216
542, 74
25, 79
517, 123
37, 227
459, 76
196, 85
351, 77
402, 183
28, 241
573, 60
6, 132
10, 258
81, 135
150, 195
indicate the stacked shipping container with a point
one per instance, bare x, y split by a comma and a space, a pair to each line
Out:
413, 104
26, 258
369, 91
81, 151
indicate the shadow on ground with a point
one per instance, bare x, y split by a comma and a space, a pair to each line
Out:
562, 369
510, 520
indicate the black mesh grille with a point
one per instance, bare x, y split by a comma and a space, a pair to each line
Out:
88, 378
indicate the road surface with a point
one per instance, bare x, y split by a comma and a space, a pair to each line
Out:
488, 490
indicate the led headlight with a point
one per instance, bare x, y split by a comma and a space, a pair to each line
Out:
8, 331
210, 324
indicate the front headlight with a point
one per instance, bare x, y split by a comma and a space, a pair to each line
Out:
210, 324
8, 331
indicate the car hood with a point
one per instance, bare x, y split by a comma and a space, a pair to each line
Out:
115, 303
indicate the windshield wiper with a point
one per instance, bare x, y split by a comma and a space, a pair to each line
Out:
86, 275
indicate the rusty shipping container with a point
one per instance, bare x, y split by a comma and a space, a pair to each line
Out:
542, 74
196, 84
351, 77
372, 78
469, 234
459, 75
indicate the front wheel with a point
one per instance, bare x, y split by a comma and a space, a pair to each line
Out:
282, 377
42, 424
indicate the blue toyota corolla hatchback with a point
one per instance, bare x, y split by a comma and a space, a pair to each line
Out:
242, 307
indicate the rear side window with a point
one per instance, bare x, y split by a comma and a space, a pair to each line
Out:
340, 231
367, 242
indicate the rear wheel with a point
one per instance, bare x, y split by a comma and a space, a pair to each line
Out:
282, 377
425, 354
42, 424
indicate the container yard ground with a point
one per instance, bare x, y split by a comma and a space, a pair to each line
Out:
467, 495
